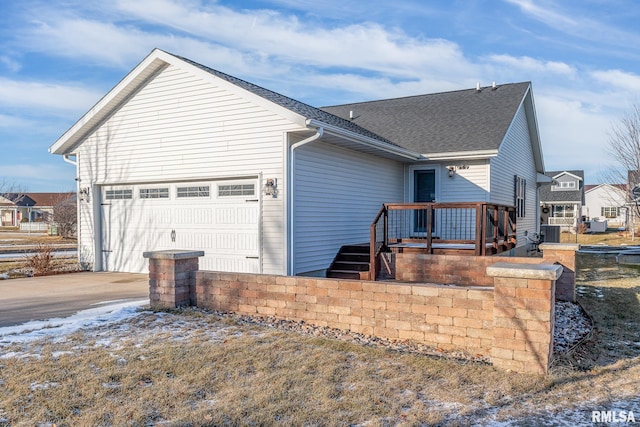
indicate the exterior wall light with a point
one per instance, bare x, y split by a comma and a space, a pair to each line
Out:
84, 194
271, 187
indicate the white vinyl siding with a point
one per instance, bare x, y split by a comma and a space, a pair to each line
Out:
182, 127
470, 184
607, 202
515, 157
338, 193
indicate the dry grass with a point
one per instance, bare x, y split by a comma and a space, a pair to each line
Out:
218, 372
612, 238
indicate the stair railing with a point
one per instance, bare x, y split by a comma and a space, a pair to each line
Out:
379, 238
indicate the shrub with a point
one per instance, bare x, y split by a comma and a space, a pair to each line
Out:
41, 260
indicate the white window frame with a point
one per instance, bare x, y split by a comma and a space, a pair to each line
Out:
153, 193
610, 211
226, 190
119, 194
193, 191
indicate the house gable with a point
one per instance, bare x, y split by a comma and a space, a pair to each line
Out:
566, 187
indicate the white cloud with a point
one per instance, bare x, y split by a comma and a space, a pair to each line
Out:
50, 97
11, 64
40, 176
573, 136
618, 79
575, 22
11, 121
367, 46
532, 65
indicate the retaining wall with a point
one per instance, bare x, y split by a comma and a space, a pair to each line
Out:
511, 321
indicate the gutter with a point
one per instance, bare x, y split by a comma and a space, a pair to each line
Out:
290, 177
66, 158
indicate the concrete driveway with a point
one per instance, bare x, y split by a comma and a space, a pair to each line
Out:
41, 298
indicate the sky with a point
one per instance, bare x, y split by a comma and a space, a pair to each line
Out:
59, 57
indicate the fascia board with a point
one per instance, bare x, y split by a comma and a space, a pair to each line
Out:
461, 155
567, 173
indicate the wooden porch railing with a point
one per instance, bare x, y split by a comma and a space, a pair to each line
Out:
462, 228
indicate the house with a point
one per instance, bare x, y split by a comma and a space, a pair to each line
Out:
606, 202
561, 202
179, 155
29, 207
14, 207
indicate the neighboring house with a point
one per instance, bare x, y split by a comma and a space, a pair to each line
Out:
179, 155
31, 207
14, 207
562, 201
606, 202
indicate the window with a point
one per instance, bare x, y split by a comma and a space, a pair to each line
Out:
609, 211
226, 190
521, 196
118, 194
154, 193
563, 211
195, 191
565, 186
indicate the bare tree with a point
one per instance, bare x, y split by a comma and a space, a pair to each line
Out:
624, 150
65, 215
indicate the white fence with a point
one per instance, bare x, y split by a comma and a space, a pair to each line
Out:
34, 226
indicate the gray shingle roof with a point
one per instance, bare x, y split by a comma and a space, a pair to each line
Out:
464, 120
577, 196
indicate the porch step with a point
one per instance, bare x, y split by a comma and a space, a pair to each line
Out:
351, 262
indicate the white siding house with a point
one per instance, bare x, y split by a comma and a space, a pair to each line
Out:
182, 156
606, 202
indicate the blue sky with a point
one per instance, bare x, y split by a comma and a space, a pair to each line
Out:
58, 58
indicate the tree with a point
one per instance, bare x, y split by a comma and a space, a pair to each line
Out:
65, 215
624, 150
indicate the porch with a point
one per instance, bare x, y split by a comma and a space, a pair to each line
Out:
475, 229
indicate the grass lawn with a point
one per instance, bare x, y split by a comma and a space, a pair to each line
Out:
611, 237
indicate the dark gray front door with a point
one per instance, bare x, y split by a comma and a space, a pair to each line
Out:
424, 190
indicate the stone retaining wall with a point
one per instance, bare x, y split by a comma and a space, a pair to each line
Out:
510, 321
472, 270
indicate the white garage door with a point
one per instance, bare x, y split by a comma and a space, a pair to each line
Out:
220, 217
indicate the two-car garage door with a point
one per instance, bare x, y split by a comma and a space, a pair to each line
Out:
219, 217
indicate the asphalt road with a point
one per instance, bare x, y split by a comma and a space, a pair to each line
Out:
62, 295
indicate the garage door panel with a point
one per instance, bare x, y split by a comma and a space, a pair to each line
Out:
225, 228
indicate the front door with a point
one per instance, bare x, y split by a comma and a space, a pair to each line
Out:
424, 191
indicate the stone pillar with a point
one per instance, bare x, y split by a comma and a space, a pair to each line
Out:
565, 255
172, 277
523, 315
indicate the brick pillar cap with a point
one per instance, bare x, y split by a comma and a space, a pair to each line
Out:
173, 254
525, 271
560, 246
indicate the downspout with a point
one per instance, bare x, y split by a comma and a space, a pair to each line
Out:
66, 158
317, 135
